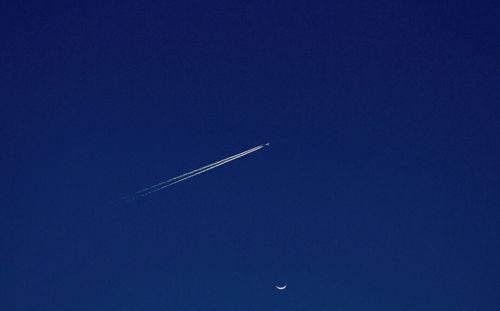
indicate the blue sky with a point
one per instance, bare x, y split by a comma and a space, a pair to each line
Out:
379, 190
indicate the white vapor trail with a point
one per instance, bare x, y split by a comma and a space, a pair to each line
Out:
138, 193
188, 175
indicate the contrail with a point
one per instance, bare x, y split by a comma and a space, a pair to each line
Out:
138, 193
185, 176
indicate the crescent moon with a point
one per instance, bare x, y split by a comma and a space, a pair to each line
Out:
281, 287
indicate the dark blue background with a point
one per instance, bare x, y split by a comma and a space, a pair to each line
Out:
380, 190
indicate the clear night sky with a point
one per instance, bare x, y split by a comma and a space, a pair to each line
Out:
380, 190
